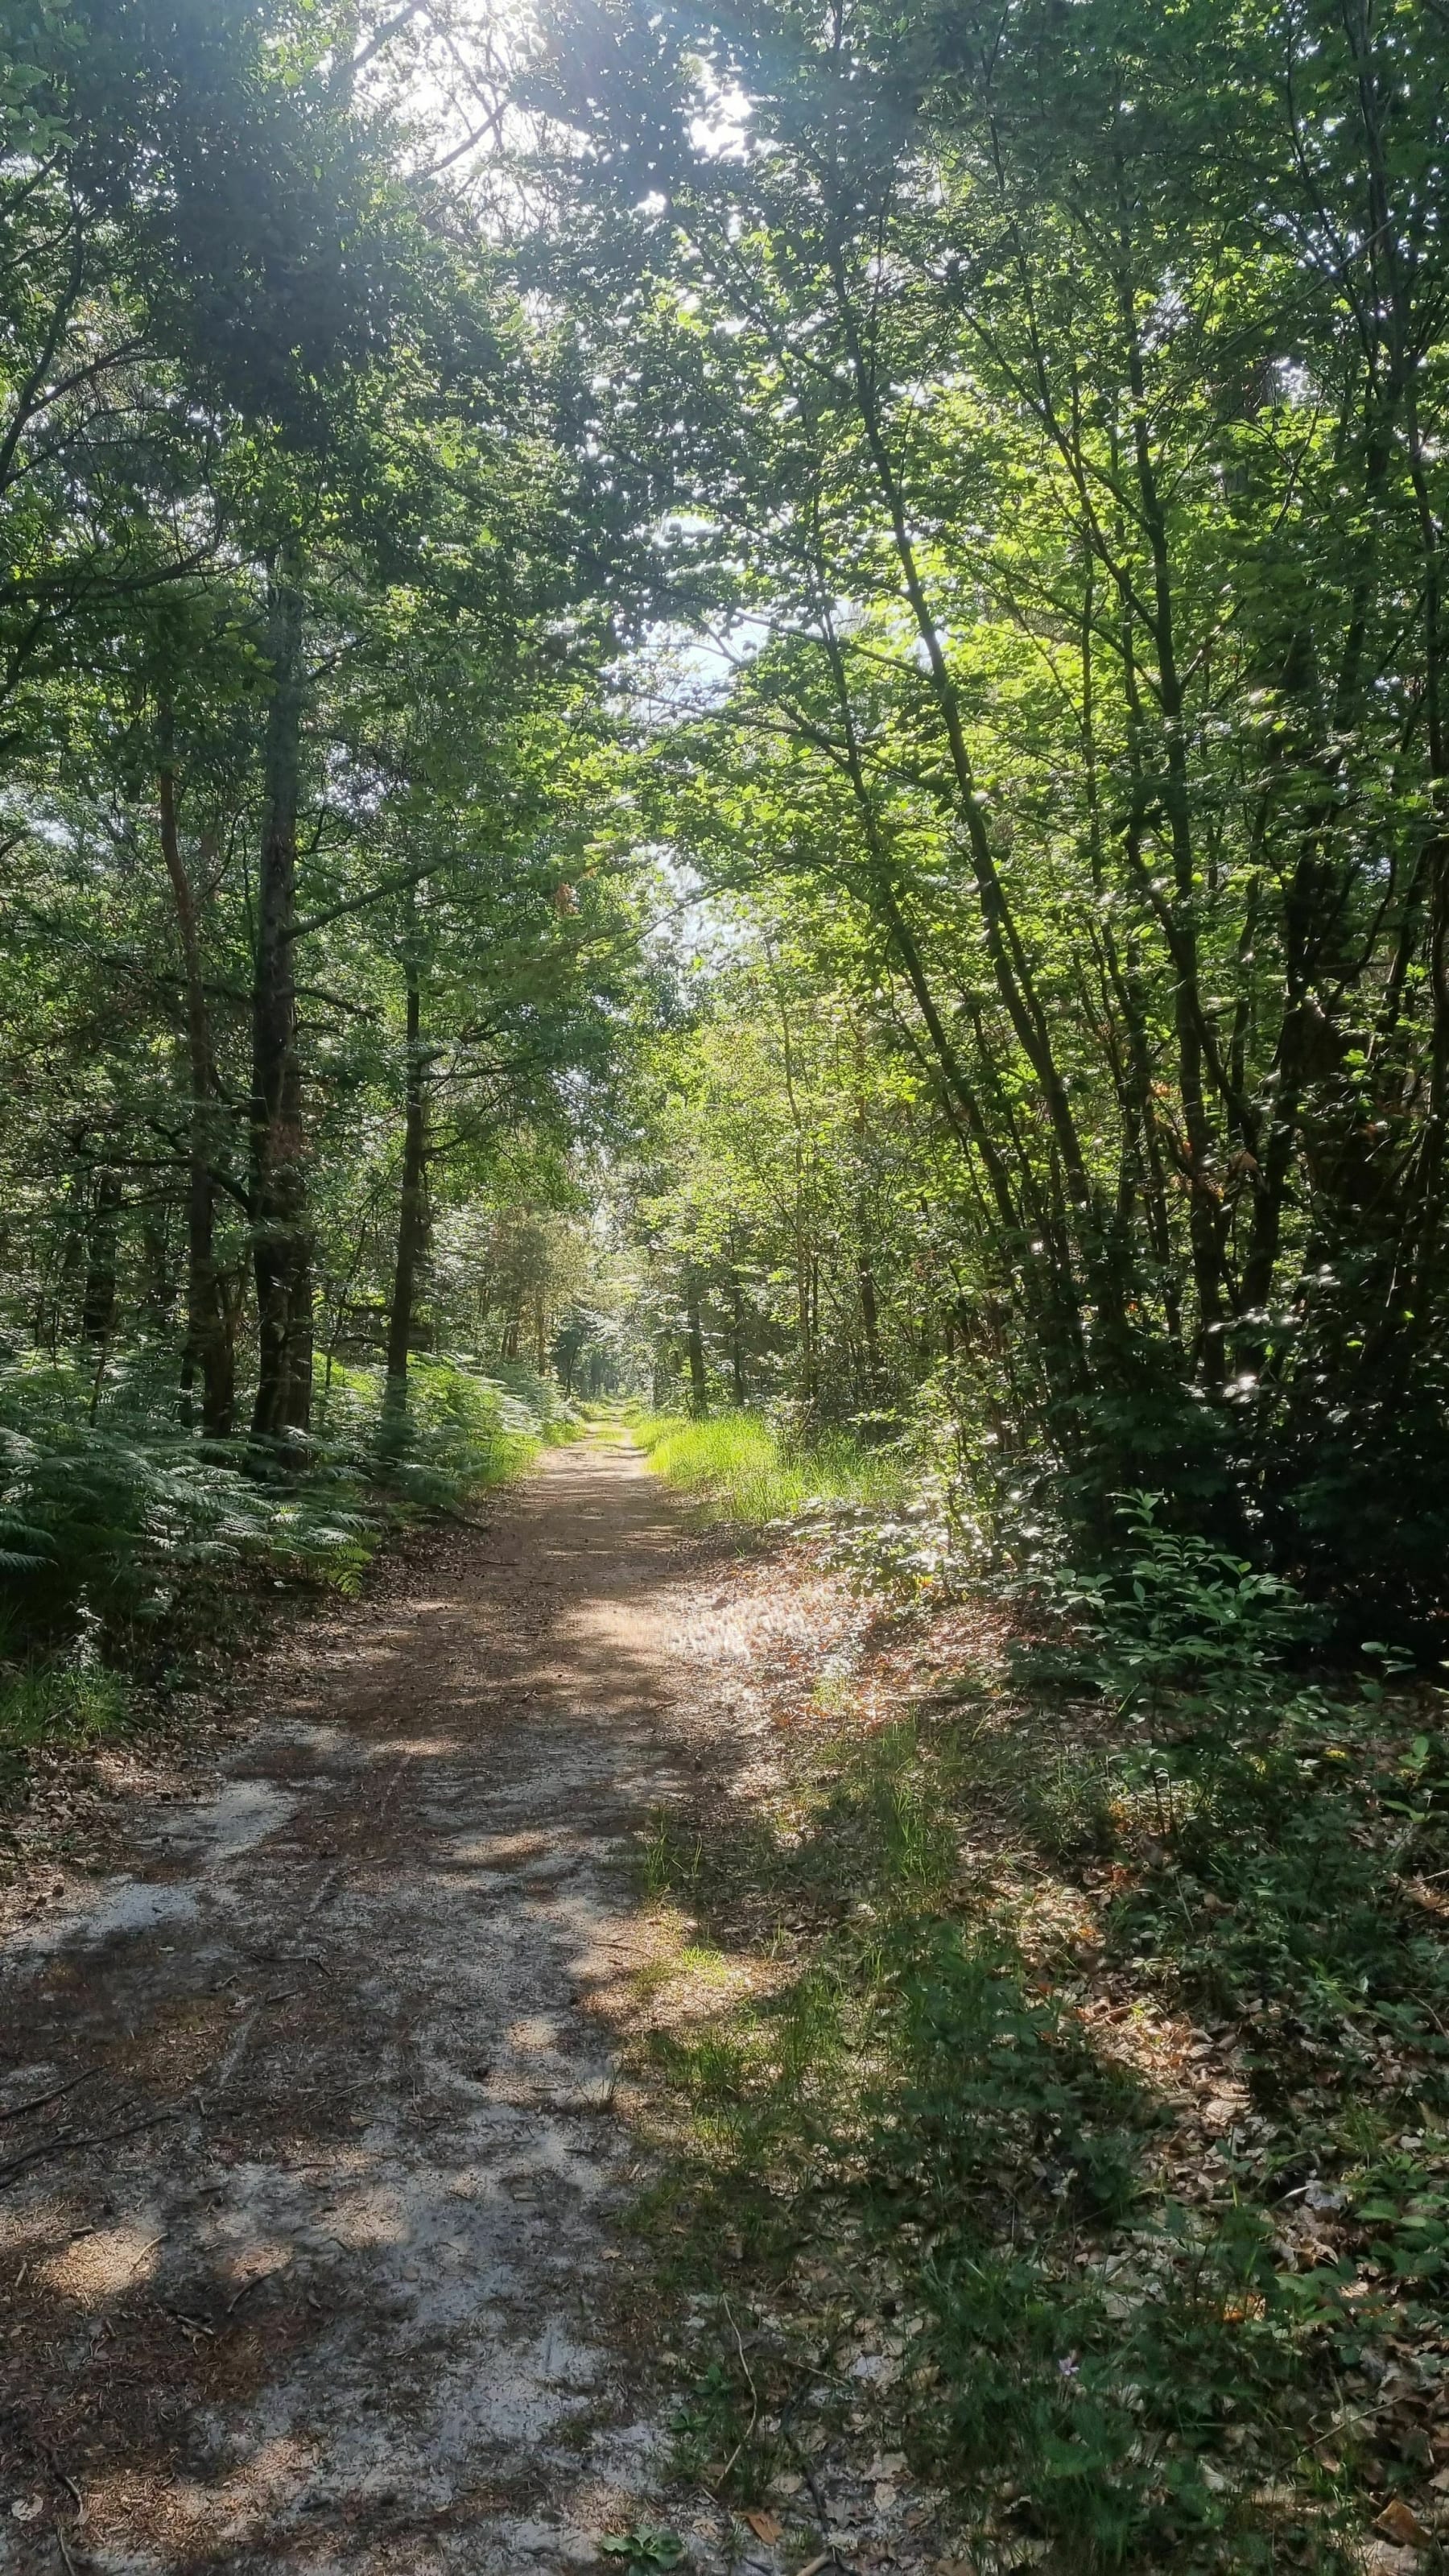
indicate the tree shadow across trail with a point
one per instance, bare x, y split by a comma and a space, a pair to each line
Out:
924, 2198
320, 2264
311, 2268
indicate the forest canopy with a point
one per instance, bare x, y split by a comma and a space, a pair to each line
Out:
750, 704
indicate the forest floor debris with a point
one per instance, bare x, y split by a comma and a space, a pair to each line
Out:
483, 2154
332, 2268
980, 2170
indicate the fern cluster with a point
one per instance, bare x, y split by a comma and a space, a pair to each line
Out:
120, 1532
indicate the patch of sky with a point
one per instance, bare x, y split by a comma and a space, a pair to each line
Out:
720, 128
677, 673
694, 934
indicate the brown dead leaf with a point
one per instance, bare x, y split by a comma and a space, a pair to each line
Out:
1397, 2523
765, 2526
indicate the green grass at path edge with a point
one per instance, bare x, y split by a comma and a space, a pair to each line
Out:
914, 2132
739, 1467
1121, 2332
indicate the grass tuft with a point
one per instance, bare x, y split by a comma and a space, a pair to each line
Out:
740, 1467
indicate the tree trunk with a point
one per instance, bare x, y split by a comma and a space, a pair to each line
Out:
208, 1342
694, 1342
281, 1253
98, 1306
864, 1263
410, 1204
737, 1337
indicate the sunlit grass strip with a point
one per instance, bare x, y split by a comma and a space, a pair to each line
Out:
739, 1467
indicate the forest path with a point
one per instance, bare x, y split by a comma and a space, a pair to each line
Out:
325, 2277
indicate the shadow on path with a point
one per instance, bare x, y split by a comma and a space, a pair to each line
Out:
312, 2269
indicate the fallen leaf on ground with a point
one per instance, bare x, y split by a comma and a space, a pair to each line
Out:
765, 2526
1396, 2522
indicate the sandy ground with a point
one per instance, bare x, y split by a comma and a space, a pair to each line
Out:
315, 2262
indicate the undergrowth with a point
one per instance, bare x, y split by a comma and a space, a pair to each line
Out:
742, 1467
920, 2194
126, 1542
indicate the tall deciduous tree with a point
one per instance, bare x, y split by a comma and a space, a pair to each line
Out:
1056, 398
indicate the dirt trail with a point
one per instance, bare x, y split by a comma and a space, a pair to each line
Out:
324, 2277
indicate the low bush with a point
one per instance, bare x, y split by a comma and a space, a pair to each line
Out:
45, 1704
1273, 1819
462, 1429
122, 1538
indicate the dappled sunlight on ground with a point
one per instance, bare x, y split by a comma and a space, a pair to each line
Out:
364, 2100
319, 2268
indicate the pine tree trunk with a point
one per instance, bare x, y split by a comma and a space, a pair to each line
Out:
208, 1341
410, 1206
281, 1252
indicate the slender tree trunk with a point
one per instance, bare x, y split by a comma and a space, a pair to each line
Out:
737, 1335
694, 1338
1205, 1220
158, 1285
281, 1253
410, 1205
1051, 1287
864, 1263
208, 1342
1010, 964
98, 1304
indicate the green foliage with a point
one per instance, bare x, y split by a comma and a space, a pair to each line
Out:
1076, 2345
1170, 1613
1104, 2396
115, 1524
44, 1705
1050, 498
458, 1432
1277, 1816
1110, 2365
648, 2545
739, 1466
121, 1527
